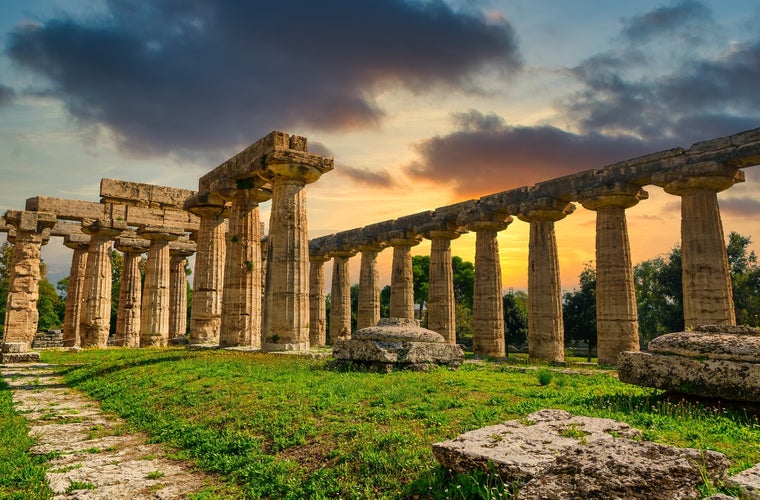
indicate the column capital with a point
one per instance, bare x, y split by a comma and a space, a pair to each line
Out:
77, 241
105, 228
182, 248
294, 165
131, 244
444, 234
252, 190
490, 225
705, 176
321, 257
160, 233
29, 221
623, 195
207, 205
404, 239
372, 246
545, 209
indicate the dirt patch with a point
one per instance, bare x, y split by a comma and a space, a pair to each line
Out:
92, 455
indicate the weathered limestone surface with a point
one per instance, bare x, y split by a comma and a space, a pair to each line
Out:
487, 306
340, 298
546, 336
241, 304
32, 231
368, 313
722, 365
96, 315
144, 195
317, 309
616, 313
441, 304
179, 251
402, 277
208, 275
396, 343
748, 481
154, 314
130, 291
544, 451
75, 293
707, 297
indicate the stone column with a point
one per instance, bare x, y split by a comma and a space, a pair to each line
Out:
317, 312
441, 303
488, 306
402, 277
368, 313
241, 303
21, 316
154, 317
130, 291
707, 294
208, 275
340, 297
617, 322
95, 321
179, 251
75, 294
288, 257
546, 335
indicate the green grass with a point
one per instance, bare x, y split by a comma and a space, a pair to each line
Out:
22, 476
286, 427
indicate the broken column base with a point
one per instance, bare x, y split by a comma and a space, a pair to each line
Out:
18, 352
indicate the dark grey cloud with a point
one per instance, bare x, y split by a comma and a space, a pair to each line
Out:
486, 155
740, 207
372, 178
193, 75
7, 94
688, 20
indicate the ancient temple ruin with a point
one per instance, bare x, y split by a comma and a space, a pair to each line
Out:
271, 296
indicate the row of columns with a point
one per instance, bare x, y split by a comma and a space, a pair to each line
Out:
706, 281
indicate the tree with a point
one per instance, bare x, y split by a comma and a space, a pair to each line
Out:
515, 318
354, 306
745, 280
421, 274
579, 310
464, 281
385, 302
659, 295
6, 263
117, 264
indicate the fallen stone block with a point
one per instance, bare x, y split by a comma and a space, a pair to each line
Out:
748, 481
19, 357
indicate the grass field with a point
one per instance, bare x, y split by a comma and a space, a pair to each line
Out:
288, 427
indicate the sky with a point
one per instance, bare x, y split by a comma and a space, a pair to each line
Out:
422, 103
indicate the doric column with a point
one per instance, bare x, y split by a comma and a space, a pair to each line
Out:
154, 316
288, 256
208, 275
441, 303
21, 316
707, 295
402, 277
241, 303
617, 323
130, 291
75, 293
546, 336
368, 313
340, 296
95, 321
317, 312
487, 305
179, 251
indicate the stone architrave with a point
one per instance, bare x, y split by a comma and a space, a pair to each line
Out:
208, 275
546, 335
95, 322
340, 297
707, 295
130, 291
154, 317
179, 251
80, 243
617, 323
402, 277
288, 254
242, 302
317, 309
441, 304
21, 316
368, 313
487, 305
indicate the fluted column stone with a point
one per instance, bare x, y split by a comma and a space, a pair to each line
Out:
208, 274
441, 303
340, 297
402, 276
707, 294
242, 302
546, 335
617, 323
178, 254
488, 306
130, 291
317, 309
154, 317
95, 321
21, 316
368, 313
80, 243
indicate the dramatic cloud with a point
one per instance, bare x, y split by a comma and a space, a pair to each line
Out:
485, 155
740, 207
171, 75
379, 179
6, 95
687, 20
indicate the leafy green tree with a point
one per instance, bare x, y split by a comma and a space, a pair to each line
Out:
579, 309
464, 281
385, 302
421, 273
745, 280
6, 263
515, 317
117, 264
354, 306
659, 295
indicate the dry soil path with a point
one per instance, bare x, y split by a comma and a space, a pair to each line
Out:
93, 448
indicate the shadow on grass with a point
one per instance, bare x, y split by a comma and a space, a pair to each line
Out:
93, 369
